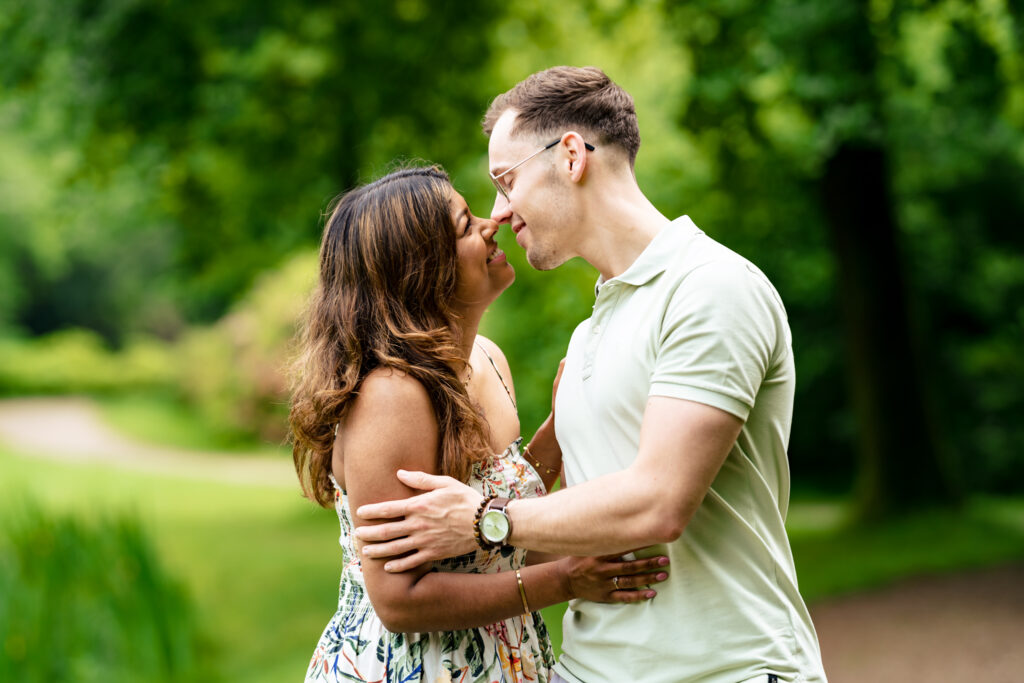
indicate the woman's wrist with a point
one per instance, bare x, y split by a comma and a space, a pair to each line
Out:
543, 450
545, 437
565, 578
539, 465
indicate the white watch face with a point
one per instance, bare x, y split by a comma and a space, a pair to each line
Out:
494, 526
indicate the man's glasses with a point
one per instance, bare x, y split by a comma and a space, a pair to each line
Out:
496, 179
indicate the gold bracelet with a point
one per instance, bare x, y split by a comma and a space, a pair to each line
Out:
537, 464
522, 592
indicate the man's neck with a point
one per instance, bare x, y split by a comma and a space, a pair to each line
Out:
621, 223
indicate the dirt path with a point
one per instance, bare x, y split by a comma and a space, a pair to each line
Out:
964, 627
72, 429
957, 628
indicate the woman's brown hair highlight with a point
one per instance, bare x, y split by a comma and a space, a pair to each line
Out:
388, 271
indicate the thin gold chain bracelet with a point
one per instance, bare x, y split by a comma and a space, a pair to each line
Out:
537, 464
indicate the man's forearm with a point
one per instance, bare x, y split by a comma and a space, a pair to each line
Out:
611, 514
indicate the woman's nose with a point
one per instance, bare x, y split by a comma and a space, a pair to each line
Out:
488, 228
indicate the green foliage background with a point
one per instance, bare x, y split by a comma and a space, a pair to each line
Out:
164, 169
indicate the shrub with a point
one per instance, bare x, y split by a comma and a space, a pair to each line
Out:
77, 361
91, 603
234, 372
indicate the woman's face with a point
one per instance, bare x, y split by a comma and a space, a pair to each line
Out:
484, 273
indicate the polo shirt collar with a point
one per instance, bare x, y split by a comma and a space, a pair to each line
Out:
657, 256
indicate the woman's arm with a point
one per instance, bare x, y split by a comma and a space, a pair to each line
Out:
391, 425
543, 450
544, 453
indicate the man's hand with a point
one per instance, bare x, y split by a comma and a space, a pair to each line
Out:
436, 524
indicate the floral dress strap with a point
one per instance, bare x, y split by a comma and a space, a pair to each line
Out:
500, 378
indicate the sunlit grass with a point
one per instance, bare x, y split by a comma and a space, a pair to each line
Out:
838, 558
262, 563
166, 422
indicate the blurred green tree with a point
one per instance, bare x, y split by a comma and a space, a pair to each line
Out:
817, 118
210, 136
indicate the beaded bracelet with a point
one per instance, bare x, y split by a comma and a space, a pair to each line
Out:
537, 464
476, 522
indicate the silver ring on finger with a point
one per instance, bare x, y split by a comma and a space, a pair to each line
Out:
615, 580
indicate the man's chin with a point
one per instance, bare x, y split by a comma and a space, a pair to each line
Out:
543, 260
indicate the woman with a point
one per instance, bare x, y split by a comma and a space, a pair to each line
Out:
394, 376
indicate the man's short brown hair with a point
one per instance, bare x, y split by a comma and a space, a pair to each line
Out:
566, 97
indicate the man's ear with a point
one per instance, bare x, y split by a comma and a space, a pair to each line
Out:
574, 151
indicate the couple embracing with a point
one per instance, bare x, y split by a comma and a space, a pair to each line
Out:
669, 423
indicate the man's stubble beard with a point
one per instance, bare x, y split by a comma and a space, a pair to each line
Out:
546, 252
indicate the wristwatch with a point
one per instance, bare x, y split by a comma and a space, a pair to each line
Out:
495, 526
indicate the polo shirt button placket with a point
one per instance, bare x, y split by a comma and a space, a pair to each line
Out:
590, 348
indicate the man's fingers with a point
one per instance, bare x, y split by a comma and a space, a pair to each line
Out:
422, 480
379, 550
378, 533
403, 564
389, 509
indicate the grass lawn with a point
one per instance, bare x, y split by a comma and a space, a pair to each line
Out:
262, 563
165, 422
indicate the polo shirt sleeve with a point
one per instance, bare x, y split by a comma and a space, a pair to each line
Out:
718, 337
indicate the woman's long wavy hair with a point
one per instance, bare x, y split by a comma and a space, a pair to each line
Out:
388, 270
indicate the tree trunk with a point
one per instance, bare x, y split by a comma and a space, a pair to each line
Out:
900, 464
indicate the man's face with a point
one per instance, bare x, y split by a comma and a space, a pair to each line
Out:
538, 195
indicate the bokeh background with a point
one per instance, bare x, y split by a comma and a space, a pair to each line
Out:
164, 172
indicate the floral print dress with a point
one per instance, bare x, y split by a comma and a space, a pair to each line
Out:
355, 646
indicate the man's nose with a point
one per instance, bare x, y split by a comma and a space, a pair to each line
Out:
501, 212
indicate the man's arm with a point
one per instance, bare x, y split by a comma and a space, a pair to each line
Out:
682, 446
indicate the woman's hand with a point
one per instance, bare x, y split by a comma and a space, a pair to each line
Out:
612, 579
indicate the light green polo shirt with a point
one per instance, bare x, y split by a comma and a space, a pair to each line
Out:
691, 319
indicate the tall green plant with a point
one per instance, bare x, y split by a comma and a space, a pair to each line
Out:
91, 603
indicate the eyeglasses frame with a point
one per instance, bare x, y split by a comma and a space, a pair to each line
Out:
496, 179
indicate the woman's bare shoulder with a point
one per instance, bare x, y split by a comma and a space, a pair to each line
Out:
393, 411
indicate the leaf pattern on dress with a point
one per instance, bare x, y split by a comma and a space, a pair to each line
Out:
355, 646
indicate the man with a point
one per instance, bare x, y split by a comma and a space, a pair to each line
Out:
673, 412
